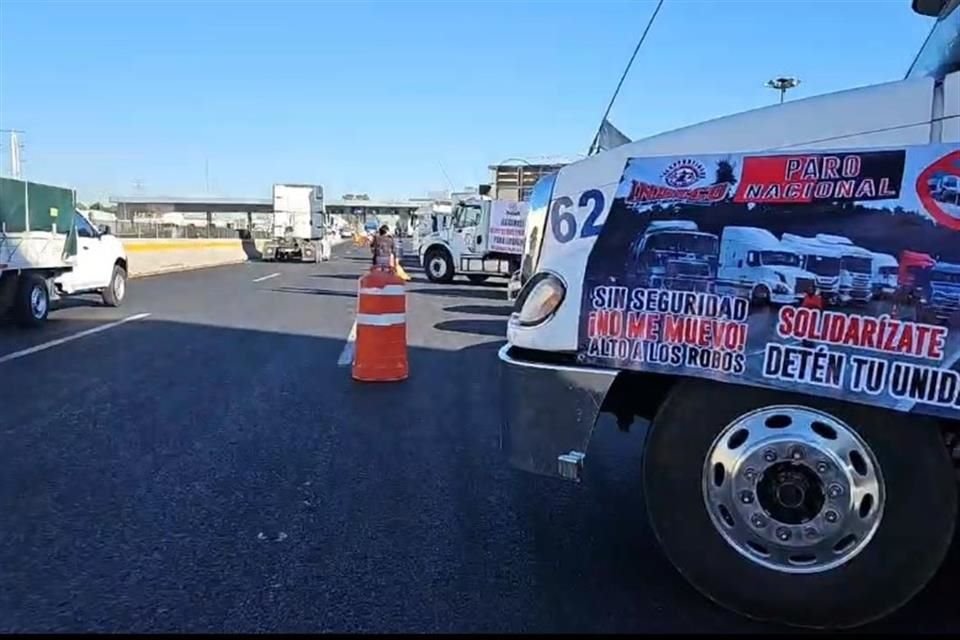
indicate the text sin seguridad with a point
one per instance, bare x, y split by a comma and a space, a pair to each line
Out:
706, 331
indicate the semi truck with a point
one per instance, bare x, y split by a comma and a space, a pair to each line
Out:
754, 263
674, 254
485, 239
801, 472
885, 269
299, 224
49, 250
940, 300
821, 260
856, 268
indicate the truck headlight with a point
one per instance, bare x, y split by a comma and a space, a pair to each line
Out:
539, 299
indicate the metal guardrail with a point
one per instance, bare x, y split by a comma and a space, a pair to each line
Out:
139, 229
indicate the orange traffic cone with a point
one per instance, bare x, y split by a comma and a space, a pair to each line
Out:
381, 342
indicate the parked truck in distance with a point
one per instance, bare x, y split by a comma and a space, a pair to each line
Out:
49, 250
755, 264
821, 260
299, 224
885, 269
912, 275
674, 254
485, 239
940, 300
856, 268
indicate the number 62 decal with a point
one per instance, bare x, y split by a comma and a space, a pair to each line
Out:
563, 221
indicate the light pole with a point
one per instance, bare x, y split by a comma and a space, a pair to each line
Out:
782, 85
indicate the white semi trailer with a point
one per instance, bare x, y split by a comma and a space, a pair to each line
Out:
299, 224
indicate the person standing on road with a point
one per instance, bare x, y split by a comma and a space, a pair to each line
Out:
383, 248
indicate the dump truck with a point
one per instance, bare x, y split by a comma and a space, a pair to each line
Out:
799, 463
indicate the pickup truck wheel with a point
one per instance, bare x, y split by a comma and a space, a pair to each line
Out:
795, 509
439, 266
477, 278
116, 291
32, 303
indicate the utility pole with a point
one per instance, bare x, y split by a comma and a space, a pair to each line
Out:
16, 155
783, 84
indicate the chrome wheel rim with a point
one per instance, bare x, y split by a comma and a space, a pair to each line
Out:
793, 489
438, 267
119, 287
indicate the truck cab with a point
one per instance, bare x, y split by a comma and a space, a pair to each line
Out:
913, 274
856, 268
885, 269
99, 266
485, 238
787, 457
941, 290
821, 260
674, 254
754, 263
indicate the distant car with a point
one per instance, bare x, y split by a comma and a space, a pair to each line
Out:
346, 233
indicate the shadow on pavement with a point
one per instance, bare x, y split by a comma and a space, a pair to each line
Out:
167, 476
476, 327
250, 248
466, 292
480, 309
316, 292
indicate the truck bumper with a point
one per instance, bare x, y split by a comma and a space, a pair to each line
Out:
549, 412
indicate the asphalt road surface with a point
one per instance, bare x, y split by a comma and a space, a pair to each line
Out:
209, 467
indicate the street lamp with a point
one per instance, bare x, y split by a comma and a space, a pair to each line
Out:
783, 85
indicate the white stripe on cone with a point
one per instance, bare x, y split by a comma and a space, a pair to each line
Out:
381, 319
388, 290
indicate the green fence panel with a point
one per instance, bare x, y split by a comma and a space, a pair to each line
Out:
50, 209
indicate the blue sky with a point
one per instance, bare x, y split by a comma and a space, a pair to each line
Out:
375, 96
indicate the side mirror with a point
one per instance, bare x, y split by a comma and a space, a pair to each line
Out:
104, 229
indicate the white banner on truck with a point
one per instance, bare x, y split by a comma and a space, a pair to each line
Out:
507, 220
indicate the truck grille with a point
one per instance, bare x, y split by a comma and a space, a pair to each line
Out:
804, 285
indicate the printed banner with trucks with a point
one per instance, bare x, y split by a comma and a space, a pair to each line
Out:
836, 273
507, 220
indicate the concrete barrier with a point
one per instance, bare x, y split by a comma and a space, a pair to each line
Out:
147, 257
152, 256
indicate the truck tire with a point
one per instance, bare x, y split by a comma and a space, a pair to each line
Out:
439, 266
32, 302
477, 278
760, 295
116, 291
760, 499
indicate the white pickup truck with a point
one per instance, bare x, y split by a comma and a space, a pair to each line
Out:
799, 463
48, 249
100, 265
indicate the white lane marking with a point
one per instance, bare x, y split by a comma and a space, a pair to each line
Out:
381, 319
272, 275
346, 356
75, 336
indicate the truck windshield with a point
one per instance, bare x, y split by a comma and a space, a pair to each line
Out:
952, 277
940, 53
779, 258
702, 244
855, 264
823, 265
888, 271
